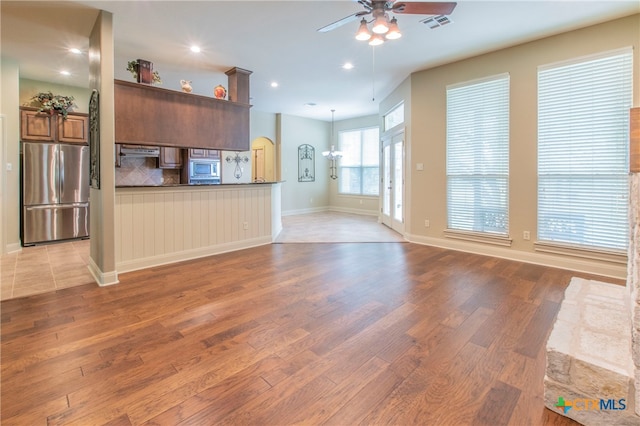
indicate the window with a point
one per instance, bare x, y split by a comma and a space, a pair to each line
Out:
583, 130
478, 156
359, 165
394, 117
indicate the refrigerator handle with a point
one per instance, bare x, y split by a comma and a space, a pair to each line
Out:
61, 170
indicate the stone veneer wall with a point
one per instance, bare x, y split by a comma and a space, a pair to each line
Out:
633, 280
633, 276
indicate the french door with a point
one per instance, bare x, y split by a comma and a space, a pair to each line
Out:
393, 182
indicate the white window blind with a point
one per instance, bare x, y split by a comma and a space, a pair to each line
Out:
583, 132
359, 167
478, 155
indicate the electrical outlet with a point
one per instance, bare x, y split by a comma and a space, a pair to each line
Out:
427, 223
526, 235
9, 167
245, 225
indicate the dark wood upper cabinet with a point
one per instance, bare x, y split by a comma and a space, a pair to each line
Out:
170, 158
148, 115
45, 127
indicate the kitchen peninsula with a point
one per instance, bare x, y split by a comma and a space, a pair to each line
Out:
160, 215
164, 224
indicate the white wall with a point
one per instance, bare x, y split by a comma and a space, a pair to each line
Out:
10, 201
303, 197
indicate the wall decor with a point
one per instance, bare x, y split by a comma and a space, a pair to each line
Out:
94, 140
306, 163
239, 159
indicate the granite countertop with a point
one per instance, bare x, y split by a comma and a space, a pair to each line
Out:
192, 185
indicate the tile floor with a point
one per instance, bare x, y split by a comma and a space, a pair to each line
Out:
44, 268
335, 227
50, 267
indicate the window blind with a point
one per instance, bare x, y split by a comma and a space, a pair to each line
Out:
359, 166
583, 152
478, 155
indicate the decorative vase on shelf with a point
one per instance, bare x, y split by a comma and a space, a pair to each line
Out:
219, 92
186, 86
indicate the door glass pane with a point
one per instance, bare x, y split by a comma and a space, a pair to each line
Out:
386, 192
397, 179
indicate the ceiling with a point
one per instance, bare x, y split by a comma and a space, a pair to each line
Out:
278, 41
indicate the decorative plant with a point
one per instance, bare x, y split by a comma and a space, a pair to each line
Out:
50, 102
132, 67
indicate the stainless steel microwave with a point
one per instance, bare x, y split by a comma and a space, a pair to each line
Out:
200, 170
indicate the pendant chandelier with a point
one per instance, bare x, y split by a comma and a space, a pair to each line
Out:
332, 155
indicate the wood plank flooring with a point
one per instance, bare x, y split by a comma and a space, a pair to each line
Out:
333, 333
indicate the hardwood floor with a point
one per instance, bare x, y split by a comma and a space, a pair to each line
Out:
344, 333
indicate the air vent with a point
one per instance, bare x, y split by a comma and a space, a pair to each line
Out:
434, 22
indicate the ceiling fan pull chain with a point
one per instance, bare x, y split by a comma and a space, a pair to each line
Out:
373, 73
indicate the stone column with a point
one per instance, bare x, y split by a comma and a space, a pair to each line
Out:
633, 278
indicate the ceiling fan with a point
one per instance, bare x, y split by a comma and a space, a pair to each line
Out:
379, 17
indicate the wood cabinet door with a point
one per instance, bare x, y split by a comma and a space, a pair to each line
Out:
75, 129
37, 126
197, 153
209, 154
170, 158
213, 153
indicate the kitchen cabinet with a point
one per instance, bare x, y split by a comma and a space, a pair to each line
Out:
75, 129
149, 115
212, 154
45, 127
170, 158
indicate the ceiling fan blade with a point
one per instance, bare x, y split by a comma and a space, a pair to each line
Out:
343, 21
424, 8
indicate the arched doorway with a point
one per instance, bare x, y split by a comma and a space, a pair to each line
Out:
263, 160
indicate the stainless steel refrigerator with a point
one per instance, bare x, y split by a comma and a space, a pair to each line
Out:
55, 192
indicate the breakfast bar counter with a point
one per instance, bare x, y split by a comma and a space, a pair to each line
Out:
157, 225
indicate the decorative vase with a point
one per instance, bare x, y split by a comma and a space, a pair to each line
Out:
219, 92
186, 86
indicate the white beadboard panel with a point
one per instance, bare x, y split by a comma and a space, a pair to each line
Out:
168, 224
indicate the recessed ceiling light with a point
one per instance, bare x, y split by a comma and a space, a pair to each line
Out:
274, 84
348, 66
195, 49
76, 51
63, 72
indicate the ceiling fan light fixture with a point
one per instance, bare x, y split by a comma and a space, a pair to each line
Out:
363, 32
376, 40
394, 32
381, 24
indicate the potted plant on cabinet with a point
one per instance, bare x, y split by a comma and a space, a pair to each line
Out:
54, 103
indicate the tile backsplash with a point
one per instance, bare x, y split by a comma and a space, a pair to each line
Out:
144, 171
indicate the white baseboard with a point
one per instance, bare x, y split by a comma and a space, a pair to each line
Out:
13, 248
354, 211
579, 265
165, 259
103, 279
305, 211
